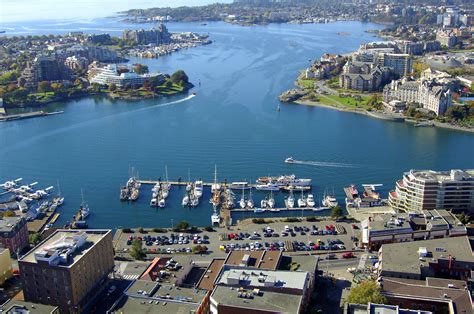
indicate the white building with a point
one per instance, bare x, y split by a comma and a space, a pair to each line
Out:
426, 189
109, 75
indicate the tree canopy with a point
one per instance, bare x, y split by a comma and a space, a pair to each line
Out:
336, 212
367, 291
179, 77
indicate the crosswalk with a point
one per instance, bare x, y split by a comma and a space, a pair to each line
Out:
130, 277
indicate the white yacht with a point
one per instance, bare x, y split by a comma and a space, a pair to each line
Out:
271, 201
215, 218
185, 201
310, 200
162, 203
291, 200
302, 200
198, 188
267, 187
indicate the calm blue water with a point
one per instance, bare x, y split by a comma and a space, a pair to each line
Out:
232, 122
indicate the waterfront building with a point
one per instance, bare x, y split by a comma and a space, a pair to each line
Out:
420, 190
13, 234
69, 269
109, 75
323, 67
432, 95
395, 105
404, 227
14, 306
446, 37
372, 308
44, 69
401, 64
76, 63
363, 76
434, 295
6, 271
446, 258
98, 38
157, 36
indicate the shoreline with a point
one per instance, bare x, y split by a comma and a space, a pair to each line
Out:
369, 114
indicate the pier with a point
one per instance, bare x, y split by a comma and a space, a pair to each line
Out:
28, 115
209, 184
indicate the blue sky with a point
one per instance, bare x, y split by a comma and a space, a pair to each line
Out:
33, 10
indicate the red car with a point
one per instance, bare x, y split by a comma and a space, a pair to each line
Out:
348, 255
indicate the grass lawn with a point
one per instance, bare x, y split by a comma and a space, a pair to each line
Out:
349, 102
306, 83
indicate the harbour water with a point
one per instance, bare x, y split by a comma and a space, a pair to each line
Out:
231, 122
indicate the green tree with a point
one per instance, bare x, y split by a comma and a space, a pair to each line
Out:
141, 68
463, 218
183, 225
168, 84
137, 251
44, 86
367, 291
199, 249
179, 76
35, 238
112, 87
336, 212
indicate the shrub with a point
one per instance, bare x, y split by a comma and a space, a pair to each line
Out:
159, 230
127, 230
291, 219
209, 228
258, 220
311, 219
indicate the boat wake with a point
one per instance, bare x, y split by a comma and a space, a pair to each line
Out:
173, 102
322, 163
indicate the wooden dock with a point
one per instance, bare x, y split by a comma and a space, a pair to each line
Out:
209, 184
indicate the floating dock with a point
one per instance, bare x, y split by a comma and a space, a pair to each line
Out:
209, 184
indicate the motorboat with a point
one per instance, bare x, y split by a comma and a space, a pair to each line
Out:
162, 203
189, 187
289, 160
185, 201
240, 185
259, 210
215, 218
329, 201
310, 200
198, 189
194, 201
267, 187
274, 209
153, 202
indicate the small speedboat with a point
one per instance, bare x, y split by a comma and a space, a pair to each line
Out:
289, 160
185, 201
215, 218
153, 202
162, 203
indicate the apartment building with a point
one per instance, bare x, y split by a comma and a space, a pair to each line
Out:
68, 269
109, 75
426, 189
13, 234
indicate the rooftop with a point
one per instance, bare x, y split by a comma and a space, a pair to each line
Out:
373, 308
16, 306
407, 289
442, 176
254, 277
210, 276
136, 305
264, 300
64, 247
8, 223
259, 259
405, 257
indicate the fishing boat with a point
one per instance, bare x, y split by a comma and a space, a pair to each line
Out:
310, 200
291, 200
271, 200
215, 218
302, 200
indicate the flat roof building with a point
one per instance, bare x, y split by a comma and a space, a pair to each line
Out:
13, 234
446, 257
68, 269
17, 307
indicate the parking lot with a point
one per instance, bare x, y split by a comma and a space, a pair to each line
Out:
316, 237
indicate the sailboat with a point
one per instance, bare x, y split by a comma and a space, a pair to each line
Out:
250, 203
271, 200
263, 203
189, 186
242, 202
302, 200
185, 200
83, 209
291, 200
329, 200
58, 200
310, 200
165, 187
215, 186
162, 203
